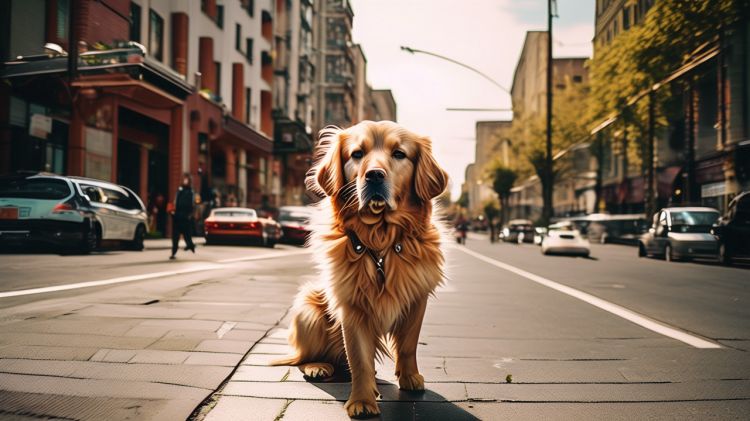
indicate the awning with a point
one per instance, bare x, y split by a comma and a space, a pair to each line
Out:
244, 135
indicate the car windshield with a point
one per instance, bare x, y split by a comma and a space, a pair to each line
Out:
693, 221
293, 216
34, 188
235, 214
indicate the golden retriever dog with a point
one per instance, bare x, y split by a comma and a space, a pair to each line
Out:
380, 258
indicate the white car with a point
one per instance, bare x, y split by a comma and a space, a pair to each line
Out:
565, 241
240, 224
70, 212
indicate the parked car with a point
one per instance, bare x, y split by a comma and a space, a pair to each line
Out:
562, 239
295, 223
518, 231
733, 230
241, 225
70, 212
681, 233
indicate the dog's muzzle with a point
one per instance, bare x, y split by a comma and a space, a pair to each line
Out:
376, 190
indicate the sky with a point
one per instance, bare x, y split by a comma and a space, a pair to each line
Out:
485, 34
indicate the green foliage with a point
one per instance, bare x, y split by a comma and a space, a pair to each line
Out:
503, 179
491, 210
463, 200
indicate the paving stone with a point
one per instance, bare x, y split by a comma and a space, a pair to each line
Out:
638, 392
175, 344
154, 356
40, 367
213, 358
47, 352
241, 408
78, 340
262, 348
135, 311
37, 406
244, 335
90, 325
224, 345
96, 388
191, 334
317, 411
259, 359
263, 374
114, 355
188, 324
287, 390
147, 331
253, 326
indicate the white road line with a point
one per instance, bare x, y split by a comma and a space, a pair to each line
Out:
188, 269
131, 278
265, 256
615, 309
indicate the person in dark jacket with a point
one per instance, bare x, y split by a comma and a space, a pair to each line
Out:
182, 216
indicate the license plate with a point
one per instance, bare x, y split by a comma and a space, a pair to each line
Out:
8, 213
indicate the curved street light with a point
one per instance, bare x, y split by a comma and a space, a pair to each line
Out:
466, 66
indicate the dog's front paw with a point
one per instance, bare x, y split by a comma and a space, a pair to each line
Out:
361, 408
317, 371
411, 382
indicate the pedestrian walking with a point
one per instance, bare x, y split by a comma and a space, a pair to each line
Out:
182, 216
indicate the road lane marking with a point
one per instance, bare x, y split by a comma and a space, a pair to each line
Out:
132, 278
265, 256
615, 309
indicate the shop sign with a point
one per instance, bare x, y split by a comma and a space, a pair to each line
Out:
714, 189
41, 126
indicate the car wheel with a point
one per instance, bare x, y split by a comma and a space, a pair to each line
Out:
138, 238
641, 250
668, 256
91, 239
724, 257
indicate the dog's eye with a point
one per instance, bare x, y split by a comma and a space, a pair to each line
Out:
399, 154
357, 154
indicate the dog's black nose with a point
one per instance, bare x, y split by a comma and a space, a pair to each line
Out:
375, 176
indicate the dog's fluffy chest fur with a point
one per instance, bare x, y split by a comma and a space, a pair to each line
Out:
410, 275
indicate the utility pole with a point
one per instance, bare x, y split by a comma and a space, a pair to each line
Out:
651, 161
548, 171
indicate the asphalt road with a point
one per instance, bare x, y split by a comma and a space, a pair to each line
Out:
197, 333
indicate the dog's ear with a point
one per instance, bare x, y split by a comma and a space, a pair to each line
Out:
429, 179
326, 177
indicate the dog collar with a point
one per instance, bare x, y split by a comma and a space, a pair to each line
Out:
379, 261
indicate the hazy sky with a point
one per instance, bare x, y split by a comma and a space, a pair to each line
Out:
485, 34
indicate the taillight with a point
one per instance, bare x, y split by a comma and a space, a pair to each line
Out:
63, 207
252, 225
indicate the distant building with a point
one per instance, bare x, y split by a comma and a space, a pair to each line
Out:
293, 107
616, 16
385, 105
529, 97
492, 144
335, 63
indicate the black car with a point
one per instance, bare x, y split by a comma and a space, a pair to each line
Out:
733, 230
519, 231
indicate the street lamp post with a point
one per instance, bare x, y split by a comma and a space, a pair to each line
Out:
547, 210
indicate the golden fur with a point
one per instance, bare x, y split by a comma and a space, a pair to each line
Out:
349, 318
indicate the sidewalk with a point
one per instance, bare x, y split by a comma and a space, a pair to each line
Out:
495, 346
166, 243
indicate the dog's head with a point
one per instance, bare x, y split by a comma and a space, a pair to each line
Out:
374, 168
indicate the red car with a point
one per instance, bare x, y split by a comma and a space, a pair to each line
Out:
295, 223
241, 225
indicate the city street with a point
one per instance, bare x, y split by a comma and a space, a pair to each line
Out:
512, 333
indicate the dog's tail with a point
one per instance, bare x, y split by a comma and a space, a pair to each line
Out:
295, 359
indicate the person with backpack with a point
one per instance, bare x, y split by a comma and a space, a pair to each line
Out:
182, 216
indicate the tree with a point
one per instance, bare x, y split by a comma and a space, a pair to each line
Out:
503, 179
491, 211
463, 200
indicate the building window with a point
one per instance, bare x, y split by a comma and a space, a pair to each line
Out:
248, 102
577, 78
155, 34
220, 16
249, 50
135, 22
63, 6
217, 69
250, 7
626, 18
238, 37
